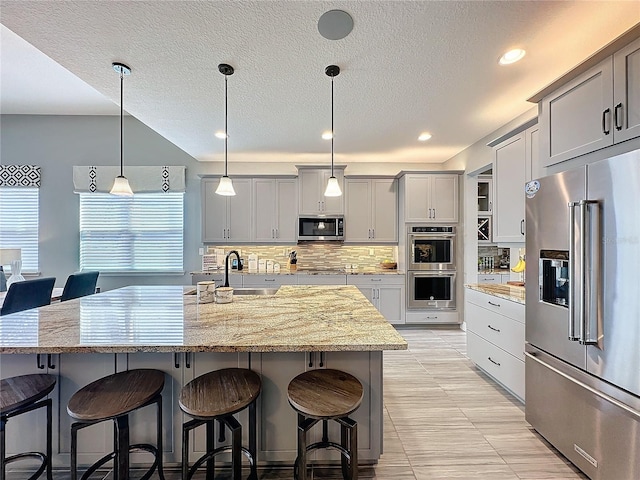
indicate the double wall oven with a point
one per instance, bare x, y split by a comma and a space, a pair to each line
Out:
431, 267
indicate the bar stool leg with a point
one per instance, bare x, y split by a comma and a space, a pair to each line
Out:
49, 440
159, 446
211, 445
253, 441
302, 449
122, 452
353, 451
74, 451
185, 451
3, 447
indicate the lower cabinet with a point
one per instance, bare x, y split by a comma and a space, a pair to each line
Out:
493, 277
495, 338
385, 292
277, 437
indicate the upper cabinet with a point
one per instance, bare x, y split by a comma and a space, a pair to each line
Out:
274, 213
485, 195
430, 198
312, 183
371, 213
596, 109
226, 219
515, 161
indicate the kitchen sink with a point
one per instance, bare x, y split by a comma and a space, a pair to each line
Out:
255, 291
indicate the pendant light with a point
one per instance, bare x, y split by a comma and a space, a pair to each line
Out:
225, 187
121, 184
333, 187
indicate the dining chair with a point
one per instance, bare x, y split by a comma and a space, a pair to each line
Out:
28, 294
80, 285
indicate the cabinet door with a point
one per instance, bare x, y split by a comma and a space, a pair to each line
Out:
485, 196
76, 370
264, 209
532, 164
384, 216
239, 219
358, 210
578, 118
332, 205
626, 92
310, 195
142, 423
391, 303
287, 213
214, 212
444, 198
509, 178
417, 198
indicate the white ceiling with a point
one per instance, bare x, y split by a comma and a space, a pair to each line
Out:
407, 67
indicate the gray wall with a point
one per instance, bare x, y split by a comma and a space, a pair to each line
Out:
56, 144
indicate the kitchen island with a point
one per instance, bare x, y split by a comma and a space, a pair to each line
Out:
279, 336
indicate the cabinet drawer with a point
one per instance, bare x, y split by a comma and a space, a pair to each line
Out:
504, 367
496, 304
488, 278
269, 280
375, 280
428, 317
502, 331
305, 279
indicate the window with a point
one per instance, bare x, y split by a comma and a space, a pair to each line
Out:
19, 223
143, 233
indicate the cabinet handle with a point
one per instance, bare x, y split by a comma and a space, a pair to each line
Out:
490, 206
269, 279
39, 365
432, 318
373, 233
494, 304
310, 359
494, 329
434, 213
187, 359
605, 129
522, 226
319, 208
616, 109
493, 361
176, 363
277, 233
50, 364
369, 233
429, 213
321, 359
376, 279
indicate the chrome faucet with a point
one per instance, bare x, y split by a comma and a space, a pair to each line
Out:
226, 266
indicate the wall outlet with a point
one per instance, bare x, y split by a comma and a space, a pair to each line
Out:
371, 251
201, 251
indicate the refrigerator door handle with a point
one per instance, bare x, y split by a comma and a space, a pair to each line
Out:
590, 273
572, 272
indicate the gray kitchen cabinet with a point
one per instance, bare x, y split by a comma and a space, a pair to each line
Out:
312, 183
73, 371
594, 110
430, 198
267, 280
385, 292
485, 195
514, 161
226, 219
495, 338
277, 439
274, 213
371, 210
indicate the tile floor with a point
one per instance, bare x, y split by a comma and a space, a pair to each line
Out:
444, 419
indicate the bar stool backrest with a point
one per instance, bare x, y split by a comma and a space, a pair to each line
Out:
28, 294
79, 285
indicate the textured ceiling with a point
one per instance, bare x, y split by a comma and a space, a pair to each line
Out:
407, 67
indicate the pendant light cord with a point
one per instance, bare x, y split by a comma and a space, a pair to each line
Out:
121, 124
332, 131
226, 132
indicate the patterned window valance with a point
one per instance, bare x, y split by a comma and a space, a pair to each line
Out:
19, 176
142, 179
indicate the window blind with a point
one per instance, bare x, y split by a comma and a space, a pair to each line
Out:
143, 233
19, 223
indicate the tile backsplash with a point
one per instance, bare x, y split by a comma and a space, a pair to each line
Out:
318, 255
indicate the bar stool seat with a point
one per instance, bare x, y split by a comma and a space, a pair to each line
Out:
112, 398
216, 396
323, 395
20, 395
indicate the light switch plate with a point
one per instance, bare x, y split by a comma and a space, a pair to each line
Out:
201, 251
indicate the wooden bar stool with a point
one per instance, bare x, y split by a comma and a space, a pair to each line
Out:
323, 395
217, 396
113, 398
20, 395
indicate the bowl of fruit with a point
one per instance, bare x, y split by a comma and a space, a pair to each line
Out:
388, 264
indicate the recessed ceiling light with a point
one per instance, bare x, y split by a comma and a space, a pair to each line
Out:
424, 136
328, 135
512, 56
220, 134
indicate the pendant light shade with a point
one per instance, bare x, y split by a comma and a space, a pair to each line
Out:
121, 184
225, 187
333, 187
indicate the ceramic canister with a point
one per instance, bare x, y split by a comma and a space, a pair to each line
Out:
206, 291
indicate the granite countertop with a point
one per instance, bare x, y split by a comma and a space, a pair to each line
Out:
508, 292
162, 319
309, 271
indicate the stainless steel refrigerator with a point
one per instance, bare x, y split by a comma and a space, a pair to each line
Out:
583, 315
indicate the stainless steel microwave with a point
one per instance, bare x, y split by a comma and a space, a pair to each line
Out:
321, 228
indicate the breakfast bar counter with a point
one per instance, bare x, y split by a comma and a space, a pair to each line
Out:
299, 328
